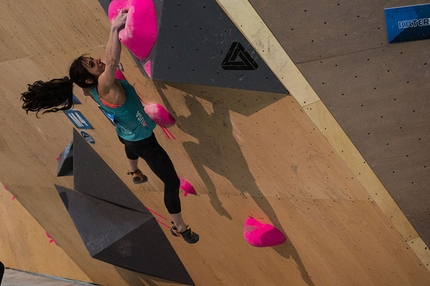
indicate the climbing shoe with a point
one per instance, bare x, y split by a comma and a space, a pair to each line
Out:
188, 235
138, 177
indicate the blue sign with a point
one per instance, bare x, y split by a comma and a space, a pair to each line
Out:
78, 119
408, 23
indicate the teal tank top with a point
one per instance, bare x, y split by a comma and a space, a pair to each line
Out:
132, 123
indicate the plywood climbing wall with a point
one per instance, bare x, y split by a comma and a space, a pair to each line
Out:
376, 91
247, 153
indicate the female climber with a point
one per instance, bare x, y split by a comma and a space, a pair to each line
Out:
133, 126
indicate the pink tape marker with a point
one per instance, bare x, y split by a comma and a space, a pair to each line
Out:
154, 212
262, 234
163, 224
51, 239
159, 221
167, 132
4, 187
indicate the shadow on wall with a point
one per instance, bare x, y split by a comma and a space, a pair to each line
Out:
218, 150
245, 102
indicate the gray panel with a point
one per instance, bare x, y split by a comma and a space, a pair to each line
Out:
126, 238
198, 43
194, 40
98, 222
94, 177
105, 4
1, 271
21, 277
141, 251
65, 162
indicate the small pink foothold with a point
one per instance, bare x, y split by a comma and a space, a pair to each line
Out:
187, 187
147, 67
261, 234
119, 75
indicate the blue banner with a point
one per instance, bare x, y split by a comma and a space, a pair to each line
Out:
78, 119
408, 23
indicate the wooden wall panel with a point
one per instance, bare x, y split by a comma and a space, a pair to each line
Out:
310, 31
376, 91
246, 153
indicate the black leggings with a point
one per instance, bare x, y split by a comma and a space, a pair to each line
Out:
158, 160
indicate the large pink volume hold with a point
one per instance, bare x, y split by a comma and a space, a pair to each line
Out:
140, 32
262, 234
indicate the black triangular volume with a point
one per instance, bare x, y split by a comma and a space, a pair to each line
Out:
193, 40
92, 176
141, 251
98, 222
123, 237
236, 50
1, 271
65, 162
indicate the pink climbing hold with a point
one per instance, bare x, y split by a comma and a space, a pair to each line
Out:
140, 31
262, 234
187, 187
159, 114
155, 111
148, 68
119, 75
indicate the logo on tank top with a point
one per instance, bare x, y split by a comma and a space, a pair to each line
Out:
141, 119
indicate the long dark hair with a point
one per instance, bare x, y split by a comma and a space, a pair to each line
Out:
57, 94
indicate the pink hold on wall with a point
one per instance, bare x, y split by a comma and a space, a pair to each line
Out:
187, 187
262, 234
155, 111
148, 68
159, 114
140, 32
119, 75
